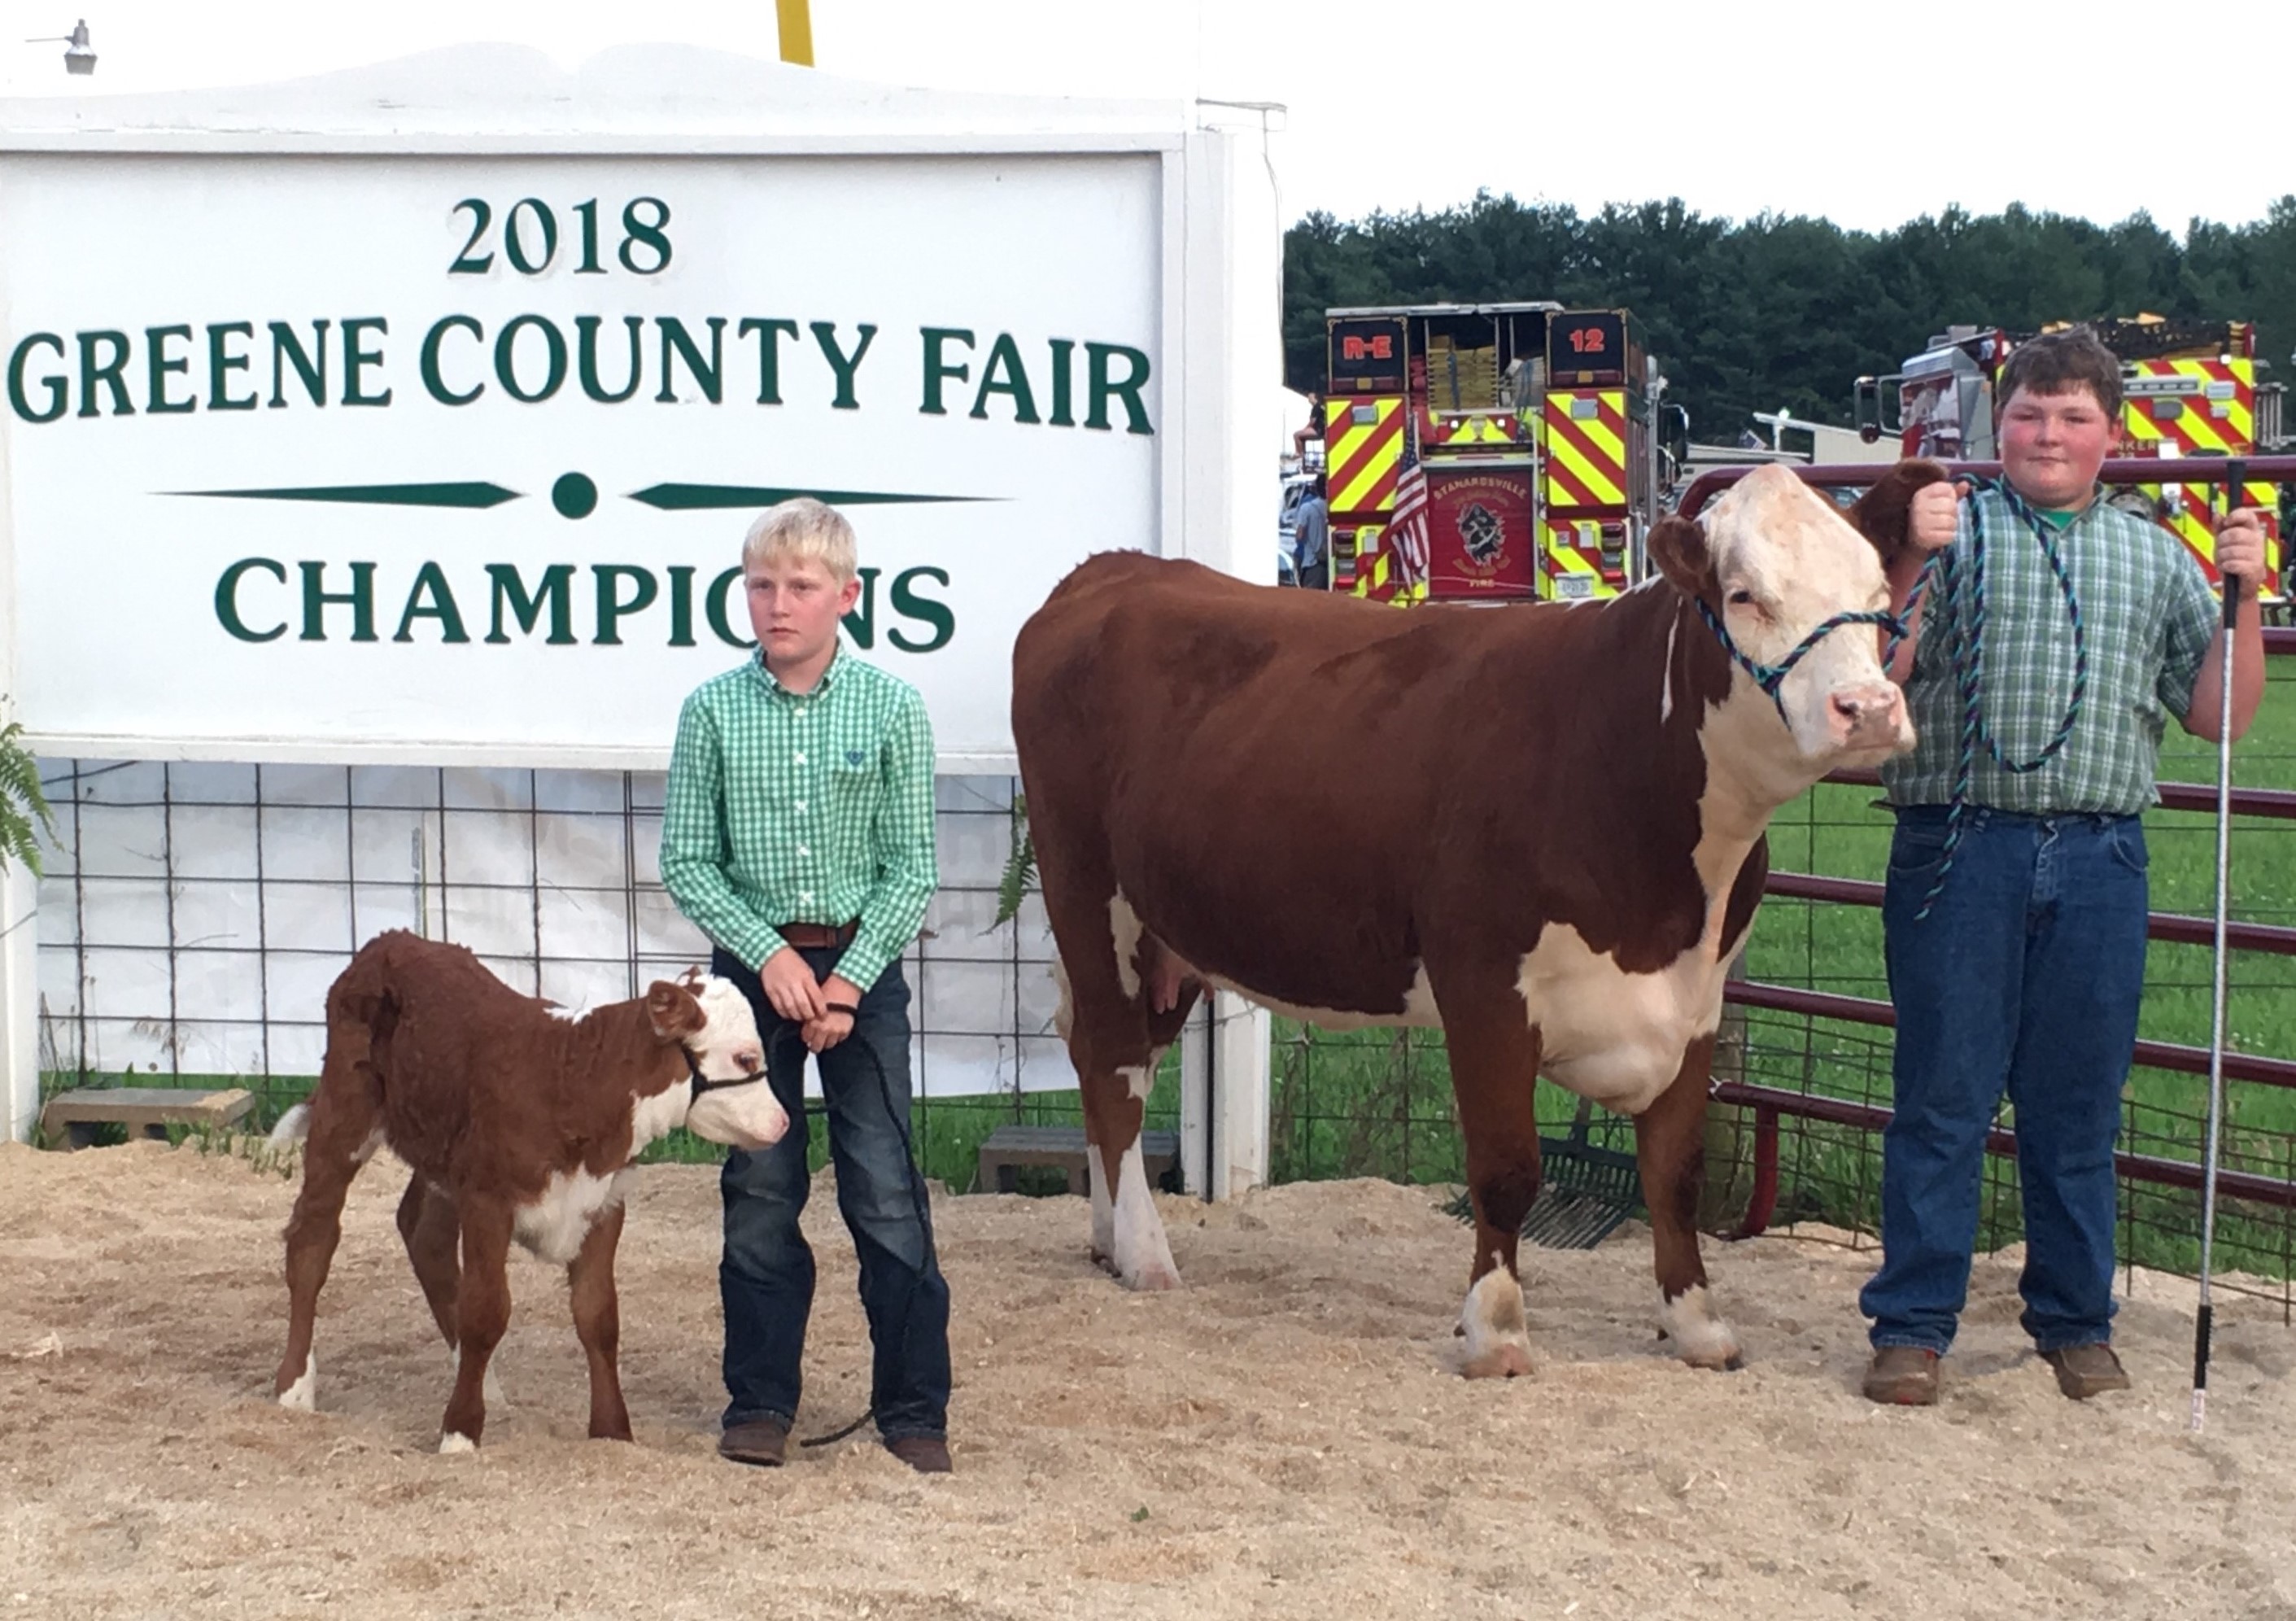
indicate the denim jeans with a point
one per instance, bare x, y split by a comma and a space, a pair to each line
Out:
766, 1276
2025, 976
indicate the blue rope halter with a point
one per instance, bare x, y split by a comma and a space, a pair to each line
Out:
1965, 648
1770, 678
1964, 638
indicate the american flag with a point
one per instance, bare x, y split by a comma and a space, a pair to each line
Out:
1407, 527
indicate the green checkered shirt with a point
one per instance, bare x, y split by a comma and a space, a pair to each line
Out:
813, 807
2150, 619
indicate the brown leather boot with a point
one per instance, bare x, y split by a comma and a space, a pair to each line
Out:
926, 1455
1903, 1375
2086, 1371
762, 1442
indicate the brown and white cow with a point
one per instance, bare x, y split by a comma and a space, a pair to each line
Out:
1541, 828
520, 1123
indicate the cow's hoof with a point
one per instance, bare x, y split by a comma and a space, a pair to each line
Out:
1153, 1279
1699, 1336
1720, 1355
1498, 1340
1499, 1361
303, 1395
1716, 1354
451, 1443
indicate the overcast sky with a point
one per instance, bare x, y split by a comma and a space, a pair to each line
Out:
1867, 114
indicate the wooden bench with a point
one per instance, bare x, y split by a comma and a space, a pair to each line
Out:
1007, 1148
146, 1111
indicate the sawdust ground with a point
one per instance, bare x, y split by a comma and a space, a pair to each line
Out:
1283, 1437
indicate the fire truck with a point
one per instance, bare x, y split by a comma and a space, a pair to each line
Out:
2189, 389
1489, 452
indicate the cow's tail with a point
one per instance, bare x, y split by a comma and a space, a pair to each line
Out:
360, 1011
293, 1126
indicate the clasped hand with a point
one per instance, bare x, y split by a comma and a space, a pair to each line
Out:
795, 994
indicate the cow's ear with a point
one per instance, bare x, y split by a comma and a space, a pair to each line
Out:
1880, 513
1679, 546
675, 1012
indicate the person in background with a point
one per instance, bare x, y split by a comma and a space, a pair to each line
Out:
1311, 539
1310, 430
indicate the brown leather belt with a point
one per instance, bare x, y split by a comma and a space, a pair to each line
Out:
818, 937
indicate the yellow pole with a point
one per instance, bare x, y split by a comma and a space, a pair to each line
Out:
797, 31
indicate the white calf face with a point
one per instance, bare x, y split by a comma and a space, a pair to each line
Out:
1787, 561
726, 1048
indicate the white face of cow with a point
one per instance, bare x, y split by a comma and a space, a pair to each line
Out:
726, 1048
1786, 561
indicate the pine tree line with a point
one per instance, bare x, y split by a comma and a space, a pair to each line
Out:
1779, 310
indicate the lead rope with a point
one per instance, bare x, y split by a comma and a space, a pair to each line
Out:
1965, 648
919, 1202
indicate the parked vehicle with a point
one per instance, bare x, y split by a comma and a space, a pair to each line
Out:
1489, 452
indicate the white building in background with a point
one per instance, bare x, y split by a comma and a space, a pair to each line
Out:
393, 432
1822, 445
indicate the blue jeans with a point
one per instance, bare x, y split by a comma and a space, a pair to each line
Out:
2026, 974
767, 1275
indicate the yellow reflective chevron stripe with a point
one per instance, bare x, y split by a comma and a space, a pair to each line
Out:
1362, 453
1369, 580
1565, 561
2194, 428
2193, 521
1377, 577
1586, 448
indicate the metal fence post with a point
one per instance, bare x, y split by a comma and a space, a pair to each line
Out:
20, 999
1239, 1049
1196, 1102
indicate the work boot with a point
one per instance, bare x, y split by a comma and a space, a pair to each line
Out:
761, 1441
926, 1455
1903, 1375
2086, 1371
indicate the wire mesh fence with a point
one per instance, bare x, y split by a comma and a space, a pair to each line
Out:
193, 915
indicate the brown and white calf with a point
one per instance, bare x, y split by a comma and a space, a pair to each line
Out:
1540, 828
521, 1124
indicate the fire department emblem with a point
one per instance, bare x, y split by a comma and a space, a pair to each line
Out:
1483, 535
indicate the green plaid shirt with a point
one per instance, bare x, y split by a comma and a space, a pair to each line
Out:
2150, 618
813, 807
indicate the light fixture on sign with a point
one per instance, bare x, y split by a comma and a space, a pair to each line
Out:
79, 56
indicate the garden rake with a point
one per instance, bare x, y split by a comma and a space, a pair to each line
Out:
1586, 1189
1585, 1192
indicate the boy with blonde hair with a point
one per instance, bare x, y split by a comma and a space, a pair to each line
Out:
797, 834
2014, 922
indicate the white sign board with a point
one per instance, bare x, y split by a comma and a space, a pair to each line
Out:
319, 447
415, 415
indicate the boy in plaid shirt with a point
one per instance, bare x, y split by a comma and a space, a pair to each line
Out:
797, 834
2021, 968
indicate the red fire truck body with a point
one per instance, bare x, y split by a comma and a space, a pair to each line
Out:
2190, 389
1487, 452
